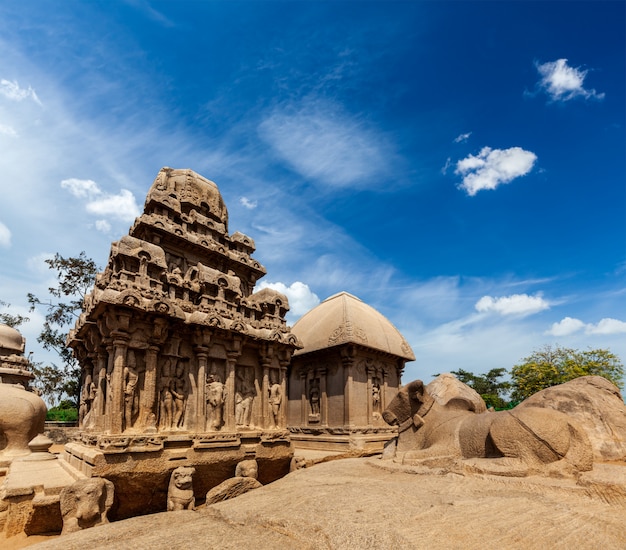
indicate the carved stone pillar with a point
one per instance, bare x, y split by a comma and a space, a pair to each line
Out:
147, 407
304, 406
116, 413
348, 354
100, 404
370, 402
323, 397
267, 352
202, 354
383, 397
282, 417
232, 354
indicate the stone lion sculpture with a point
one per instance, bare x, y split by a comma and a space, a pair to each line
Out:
85, 504
441, 424
180, 491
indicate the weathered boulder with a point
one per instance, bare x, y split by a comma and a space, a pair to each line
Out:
231, 488
597, 405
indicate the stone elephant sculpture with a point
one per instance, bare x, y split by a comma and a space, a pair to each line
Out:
439, 430
22, 417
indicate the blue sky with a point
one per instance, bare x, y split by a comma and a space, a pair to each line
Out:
460, 166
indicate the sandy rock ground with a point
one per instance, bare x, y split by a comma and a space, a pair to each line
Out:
369, 503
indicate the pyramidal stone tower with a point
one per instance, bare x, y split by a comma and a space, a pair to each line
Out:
182, 363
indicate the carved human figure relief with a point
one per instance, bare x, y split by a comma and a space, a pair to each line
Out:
243, 403
166, 400
179, 391
131, 377
376, 395
314, 398
215, 397
275, 400
180, 490
87, 396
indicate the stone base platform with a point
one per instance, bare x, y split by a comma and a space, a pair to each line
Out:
140, 465
342, 439
29, 496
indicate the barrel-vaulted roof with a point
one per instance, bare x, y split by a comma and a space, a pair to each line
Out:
344, 319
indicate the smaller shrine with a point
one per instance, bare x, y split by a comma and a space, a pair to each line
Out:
14, 367
344, 376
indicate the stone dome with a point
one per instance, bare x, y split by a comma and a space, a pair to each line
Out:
11, 341
344, 319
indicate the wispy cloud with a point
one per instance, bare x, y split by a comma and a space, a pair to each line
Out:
562, 82
5, 236
516, 304
322, 142
569, 326
103, 226
11, 90
7, 130
462, 137
247, 203
121, 206
493, 167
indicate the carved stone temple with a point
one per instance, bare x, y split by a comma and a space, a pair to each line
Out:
344, 376
182, 363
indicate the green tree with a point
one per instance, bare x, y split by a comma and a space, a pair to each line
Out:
75, 276
489, 386
552, 365
10, 319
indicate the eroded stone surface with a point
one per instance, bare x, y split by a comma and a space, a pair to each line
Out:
597, 405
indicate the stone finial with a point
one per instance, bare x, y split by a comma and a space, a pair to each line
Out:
180, 491
85, 504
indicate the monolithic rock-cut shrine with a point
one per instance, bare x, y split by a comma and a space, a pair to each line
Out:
344, 376
14, 367
182, 364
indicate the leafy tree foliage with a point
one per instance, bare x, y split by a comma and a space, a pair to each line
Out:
75, 276
489, 386
550, 366
10, 319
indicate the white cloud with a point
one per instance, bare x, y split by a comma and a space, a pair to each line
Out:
607, 326
516, 304
301, 298
81, 188
566, 326
7, 130
103, 226
462, 137
492, 167
246, 202
5, 236
122, 206
562, 82
322, 142
11, 90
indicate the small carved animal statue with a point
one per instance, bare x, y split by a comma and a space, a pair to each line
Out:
180, 491
85, 504
518, 442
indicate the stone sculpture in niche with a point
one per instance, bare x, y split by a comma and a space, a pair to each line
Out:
85, 504
130, 390
179, 393
243, 403
87, 398
215, 396
441, 421
166, 399
275, 400
314, 398
376, 396
180, 491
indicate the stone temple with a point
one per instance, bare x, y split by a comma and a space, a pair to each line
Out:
344, 376
182, 363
